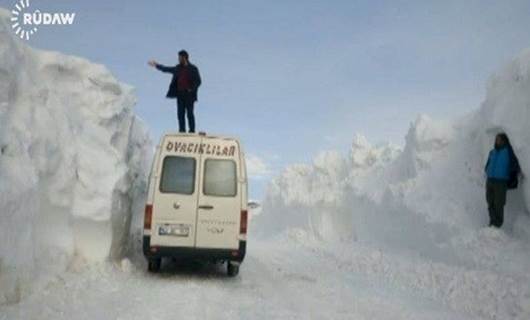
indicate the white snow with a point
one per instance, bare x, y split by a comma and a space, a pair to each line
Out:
283, 278
381, 232
72, 163
257, 168
422, 210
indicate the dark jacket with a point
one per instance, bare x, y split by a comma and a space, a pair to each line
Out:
195, 79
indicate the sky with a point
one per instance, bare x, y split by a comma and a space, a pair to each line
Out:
292, 78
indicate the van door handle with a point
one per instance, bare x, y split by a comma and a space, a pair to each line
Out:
176, 206
206, 207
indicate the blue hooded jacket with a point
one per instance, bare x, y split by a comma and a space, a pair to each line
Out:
499, 163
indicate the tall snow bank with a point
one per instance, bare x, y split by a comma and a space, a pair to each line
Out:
432, 189
72, 162
424, 203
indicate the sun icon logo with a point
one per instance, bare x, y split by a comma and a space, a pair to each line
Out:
19, 25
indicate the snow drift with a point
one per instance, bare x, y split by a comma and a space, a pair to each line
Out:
426, 200
437, 178
72, 162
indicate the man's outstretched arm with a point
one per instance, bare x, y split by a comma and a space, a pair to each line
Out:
160, 67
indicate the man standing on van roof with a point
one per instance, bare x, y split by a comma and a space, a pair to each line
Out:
184, 86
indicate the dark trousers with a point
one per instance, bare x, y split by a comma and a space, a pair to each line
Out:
496, 197
185, 108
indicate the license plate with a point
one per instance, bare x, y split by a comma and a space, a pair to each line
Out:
176, 230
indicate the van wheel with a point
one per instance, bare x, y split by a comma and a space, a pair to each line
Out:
153, 265
233, 269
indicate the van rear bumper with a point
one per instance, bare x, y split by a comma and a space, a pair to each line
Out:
194, 253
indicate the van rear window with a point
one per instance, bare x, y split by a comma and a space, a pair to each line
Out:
220, 178
178, 175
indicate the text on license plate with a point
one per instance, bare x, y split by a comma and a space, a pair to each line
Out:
176, 230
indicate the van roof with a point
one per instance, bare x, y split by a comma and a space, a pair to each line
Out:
201, 134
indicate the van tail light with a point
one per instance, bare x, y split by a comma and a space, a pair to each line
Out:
244, 222
148, 216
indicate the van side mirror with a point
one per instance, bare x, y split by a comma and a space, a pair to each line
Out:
253, 205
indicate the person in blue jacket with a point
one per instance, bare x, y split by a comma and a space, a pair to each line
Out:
502, 171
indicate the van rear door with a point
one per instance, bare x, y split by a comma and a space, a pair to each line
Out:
219, 206
176, 192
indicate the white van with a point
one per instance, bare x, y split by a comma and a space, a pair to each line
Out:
197, 201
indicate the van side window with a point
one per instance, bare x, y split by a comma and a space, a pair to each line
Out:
178, 175
220, 178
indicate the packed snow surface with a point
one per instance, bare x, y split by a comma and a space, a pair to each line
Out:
282, 278
383, 232
72, 159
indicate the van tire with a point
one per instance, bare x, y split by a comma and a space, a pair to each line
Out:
153, 265
232, 269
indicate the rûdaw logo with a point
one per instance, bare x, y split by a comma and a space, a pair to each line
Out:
25, 23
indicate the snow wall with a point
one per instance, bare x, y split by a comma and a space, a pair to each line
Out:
380, 208
421, 197
73, 159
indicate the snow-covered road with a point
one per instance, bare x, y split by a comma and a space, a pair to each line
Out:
384, 232
282, 278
